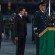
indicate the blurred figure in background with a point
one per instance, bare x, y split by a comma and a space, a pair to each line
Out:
1, 25
12, 27
7, 28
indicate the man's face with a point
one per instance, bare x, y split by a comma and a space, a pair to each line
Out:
43, 7
23, 12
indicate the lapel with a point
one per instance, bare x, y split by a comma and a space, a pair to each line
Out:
20, 20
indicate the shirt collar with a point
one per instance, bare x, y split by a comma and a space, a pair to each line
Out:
20, 15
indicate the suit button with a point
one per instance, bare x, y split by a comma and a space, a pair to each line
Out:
45, 23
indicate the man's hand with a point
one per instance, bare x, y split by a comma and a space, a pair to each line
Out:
16, 38
26, 13
36, 33
3, 35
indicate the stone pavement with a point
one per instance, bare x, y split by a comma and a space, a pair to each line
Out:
8, 48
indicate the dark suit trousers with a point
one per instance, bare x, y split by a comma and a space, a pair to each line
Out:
37, 45
20, 47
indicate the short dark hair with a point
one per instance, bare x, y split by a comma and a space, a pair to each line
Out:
42, 3
21, 8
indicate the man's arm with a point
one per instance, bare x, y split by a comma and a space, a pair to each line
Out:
36, 23
27, 17
15, 27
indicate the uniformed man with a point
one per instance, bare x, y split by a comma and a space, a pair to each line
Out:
7, 28
40, 23
44, 31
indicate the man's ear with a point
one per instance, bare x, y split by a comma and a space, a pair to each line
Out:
19, 11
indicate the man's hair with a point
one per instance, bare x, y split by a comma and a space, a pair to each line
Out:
41, 3
21, 8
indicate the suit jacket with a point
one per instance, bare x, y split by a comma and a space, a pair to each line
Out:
1, 23
20, 26
40, 21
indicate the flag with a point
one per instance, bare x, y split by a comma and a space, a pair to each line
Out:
46, 41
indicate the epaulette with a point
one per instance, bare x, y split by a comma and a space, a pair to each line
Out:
36, 12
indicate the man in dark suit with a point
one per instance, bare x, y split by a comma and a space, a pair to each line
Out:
40, 23
20, 24
1, 25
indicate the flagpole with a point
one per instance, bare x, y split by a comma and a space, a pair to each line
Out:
50, 13
49, 8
